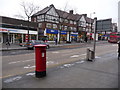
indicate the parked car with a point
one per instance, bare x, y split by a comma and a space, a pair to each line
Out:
31, 44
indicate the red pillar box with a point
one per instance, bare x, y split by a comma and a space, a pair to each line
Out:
40, 55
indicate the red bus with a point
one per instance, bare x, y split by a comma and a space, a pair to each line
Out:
114, 37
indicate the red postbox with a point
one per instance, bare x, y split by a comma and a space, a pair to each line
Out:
40, 55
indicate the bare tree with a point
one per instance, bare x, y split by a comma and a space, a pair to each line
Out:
28, 10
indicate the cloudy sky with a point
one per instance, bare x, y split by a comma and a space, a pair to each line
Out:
103, 8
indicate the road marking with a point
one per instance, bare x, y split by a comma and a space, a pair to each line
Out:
30, 74
26, 67
115, 45
50, 62
97, 57
83, 54
80, 62
74, 56
14, 62
12, 79
67, 65
55, 52
20, 61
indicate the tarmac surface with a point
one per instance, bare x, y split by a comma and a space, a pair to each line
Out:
101, 73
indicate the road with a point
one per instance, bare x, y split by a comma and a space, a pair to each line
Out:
25, 62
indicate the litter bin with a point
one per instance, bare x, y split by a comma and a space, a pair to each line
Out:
40, 56
90, 55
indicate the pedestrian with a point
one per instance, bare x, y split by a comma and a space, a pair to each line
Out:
7, 42
118, 50
55, 39
86, 39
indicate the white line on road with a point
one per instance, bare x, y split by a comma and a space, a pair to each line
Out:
26, 67
74, 56
20, 61
30, 74
80, 62
55, 52
12, 79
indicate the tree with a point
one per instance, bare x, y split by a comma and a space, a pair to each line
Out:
28, 9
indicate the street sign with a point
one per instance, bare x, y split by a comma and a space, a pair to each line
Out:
104, 25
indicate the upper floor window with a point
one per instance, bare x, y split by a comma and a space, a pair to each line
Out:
55, 26
71, 22
75, 22
48, 25
40, 18
65, 27
66, 21
40, 25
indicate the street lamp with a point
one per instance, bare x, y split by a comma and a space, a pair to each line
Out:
95, 28
91, 20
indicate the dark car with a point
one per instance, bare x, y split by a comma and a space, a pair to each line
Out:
31, 44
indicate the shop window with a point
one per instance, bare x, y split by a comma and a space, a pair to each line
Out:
33, 37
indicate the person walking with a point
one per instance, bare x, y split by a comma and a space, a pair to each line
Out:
86, 39
118, 50
55, 39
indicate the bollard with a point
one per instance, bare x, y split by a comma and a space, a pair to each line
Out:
88, 54
40, 56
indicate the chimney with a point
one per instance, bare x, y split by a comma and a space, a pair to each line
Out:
71, 11
51, 5
85, 15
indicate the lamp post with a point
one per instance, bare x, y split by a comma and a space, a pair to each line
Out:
94, 43
91, 21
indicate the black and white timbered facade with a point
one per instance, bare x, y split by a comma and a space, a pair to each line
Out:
63, 25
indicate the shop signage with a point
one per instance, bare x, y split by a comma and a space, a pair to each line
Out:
63, 32
17, 31
74, 34
51, 31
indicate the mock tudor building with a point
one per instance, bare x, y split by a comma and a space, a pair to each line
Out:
16, 30
63, 25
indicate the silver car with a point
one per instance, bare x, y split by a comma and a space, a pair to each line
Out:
31, 44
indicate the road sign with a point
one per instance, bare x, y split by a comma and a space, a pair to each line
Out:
104, 25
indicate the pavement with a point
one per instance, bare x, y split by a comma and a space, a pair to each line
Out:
4, 47
101, 73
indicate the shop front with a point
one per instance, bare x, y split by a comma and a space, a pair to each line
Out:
16, 35
63, 36
51, 34
74, 36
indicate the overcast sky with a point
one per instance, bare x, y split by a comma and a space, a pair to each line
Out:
103, 8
